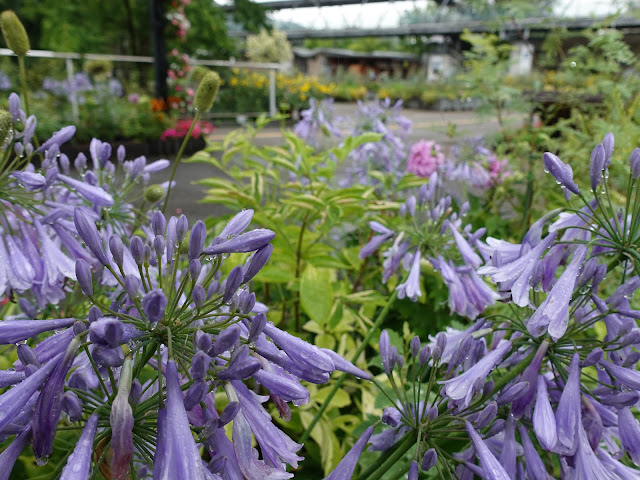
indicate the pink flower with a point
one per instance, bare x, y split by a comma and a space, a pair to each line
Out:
425, 158
498, 170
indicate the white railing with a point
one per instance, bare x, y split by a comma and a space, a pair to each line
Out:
70, 56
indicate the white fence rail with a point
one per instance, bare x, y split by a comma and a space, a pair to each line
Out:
70, 56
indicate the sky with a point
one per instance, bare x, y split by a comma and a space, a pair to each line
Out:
387, 14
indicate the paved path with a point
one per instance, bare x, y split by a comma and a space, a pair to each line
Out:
427, 125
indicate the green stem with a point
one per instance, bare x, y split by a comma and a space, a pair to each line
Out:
142, 360
381, 317
178, 157
385, 462
23, 81
296, 307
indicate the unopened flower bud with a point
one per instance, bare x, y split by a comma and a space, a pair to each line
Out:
27, 356
199, 296
117, 249
107, 331
132, 285
158, 245
89, 234
121, 153
229, 413
15, 36
199, 365
203, 340
634, 163
108, 357
432, 414
429, 460
596, 165
413, 471
79, 327
207, 91
84, 277
425, 353
182, 224
225, 340
561, 172
153, 193
72, 406
158, 223
391, 416
415, 346
80, 162
257, 326
259, 259
195, 267
486, 416
137, 249
197, 239
496, 427
94, 314
195, 394
154, 304
249, 303
233, 282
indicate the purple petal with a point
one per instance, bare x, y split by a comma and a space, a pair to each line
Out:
78, 465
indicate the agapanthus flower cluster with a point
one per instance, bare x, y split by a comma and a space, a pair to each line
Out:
318, 118
79, 83
366, 162
548, 389
430, 229
387, 155
163, 307
38, 241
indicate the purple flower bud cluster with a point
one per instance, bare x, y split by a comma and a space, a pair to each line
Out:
183, 314
385, 155
429, 228
44, 244
537, 392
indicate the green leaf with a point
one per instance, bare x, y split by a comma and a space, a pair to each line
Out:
325, 341
274, 273
316, 293
328, 261
367, 296
339, 400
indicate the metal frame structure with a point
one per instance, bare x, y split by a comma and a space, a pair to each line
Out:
456, 28
68, 57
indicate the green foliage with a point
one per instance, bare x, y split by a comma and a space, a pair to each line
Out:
486, 68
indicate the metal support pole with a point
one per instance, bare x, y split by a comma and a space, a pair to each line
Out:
74, 97
272, 93
159, 49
